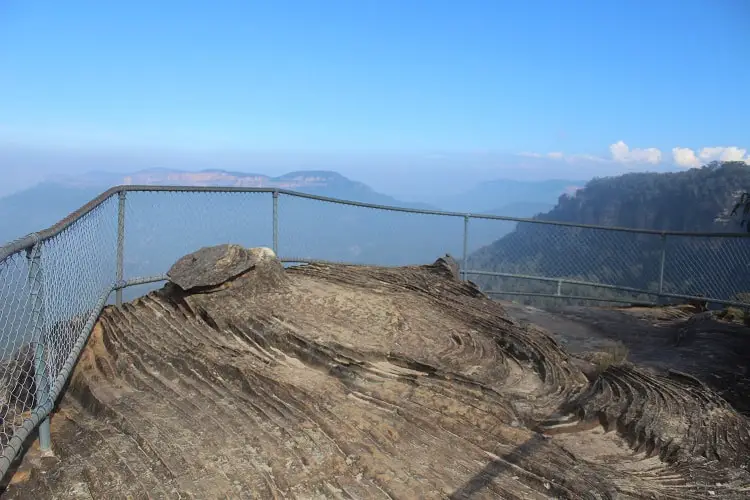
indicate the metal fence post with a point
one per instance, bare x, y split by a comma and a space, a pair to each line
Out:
276, 222
39, 337
466, 248
661, 263
120, 245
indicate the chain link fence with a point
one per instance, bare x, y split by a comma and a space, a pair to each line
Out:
707, 266
552, 263
311, 229
53, 284
162, 226
50, 289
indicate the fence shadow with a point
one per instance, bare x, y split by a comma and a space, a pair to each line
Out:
20, 464
496, 468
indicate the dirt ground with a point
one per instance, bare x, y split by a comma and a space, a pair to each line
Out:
352, 382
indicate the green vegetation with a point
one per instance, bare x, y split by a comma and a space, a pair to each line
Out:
734, 315
609, 355
696, 200
744, 204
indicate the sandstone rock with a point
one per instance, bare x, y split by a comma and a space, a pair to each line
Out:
590, 369
210, 267
449, 264
375, 383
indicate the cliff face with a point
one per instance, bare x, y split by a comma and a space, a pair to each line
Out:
694, 200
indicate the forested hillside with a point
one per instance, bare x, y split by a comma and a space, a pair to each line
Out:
693, 200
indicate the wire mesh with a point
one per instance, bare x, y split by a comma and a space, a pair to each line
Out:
568, 257
483, 232
50, 291
79, 267
46, 295
708, 266
20, 311
161, 227
311, 229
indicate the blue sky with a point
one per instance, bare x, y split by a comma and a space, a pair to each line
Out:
365, 79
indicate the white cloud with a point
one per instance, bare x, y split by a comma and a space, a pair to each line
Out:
620, 152
623, 154
683, 157
686, 157
731, 153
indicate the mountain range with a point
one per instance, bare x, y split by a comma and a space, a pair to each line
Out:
311, 181
161, 227
46, 203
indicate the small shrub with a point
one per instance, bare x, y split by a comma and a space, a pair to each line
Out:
608, 355
733, 314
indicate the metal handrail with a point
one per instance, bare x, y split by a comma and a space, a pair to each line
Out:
40, 414
30, 240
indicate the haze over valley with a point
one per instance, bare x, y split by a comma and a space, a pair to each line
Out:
697, 199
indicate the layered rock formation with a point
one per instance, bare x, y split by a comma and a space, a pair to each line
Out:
244, 380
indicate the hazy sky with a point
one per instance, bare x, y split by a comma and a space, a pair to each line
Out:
525, 88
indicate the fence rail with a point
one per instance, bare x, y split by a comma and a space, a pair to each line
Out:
54, 283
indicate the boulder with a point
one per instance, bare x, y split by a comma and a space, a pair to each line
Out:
211, 267
448, 266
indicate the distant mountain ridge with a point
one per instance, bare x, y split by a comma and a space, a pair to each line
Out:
295, 181
48, 202
161, 227
500, 197
487, 196
521, 209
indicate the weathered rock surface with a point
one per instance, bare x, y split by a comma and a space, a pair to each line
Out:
362, 382
656, 339
449, 264
212, 266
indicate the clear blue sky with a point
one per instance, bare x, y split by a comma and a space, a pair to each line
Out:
376, 75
